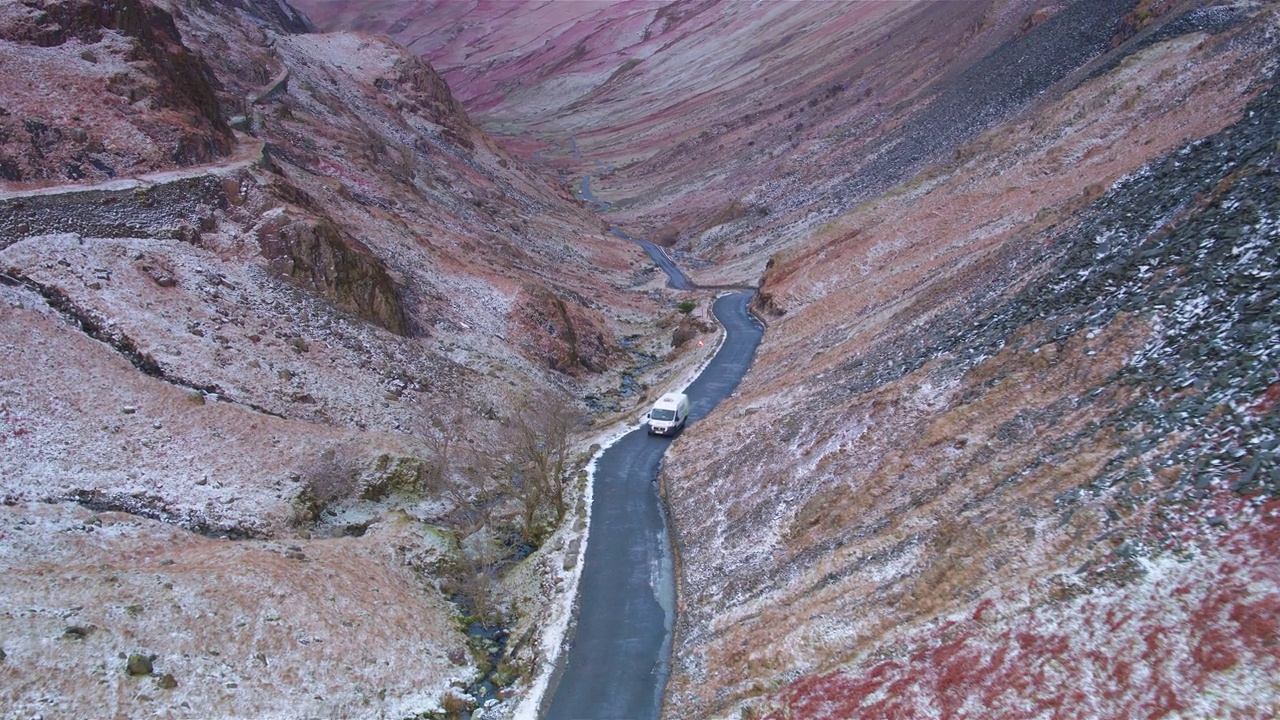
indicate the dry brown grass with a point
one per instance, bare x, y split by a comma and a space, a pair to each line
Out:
248, 629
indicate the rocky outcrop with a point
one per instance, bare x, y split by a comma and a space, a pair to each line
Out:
272, 13
139, 664
316, 256
420, 89
185, 121
565, 336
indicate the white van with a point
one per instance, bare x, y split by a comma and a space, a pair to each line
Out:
668, 414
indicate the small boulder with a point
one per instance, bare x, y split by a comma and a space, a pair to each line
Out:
166, 682
159, 275
77, 632
139, 664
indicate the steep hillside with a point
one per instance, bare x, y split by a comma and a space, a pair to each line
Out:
1008, 448
275, 311
1010, 443
124, 58
735, 128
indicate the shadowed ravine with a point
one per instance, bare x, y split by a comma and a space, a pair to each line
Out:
618, 663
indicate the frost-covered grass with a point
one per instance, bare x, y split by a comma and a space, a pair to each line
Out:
267, 629
1190, 635
168, 393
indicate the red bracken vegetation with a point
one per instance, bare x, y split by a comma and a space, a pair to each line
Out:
1192, 635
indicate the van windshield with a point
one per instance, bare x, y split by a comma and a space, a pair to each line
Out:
662, 415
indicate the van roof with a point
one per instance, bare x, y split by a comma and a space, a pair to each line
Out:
671, 397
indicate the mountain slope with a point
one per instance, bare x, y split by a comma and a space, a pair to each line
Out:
255, 280
1008, 446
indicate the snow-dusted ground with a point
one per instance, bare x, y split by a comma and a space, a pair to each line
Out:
936, 464
977, 385
173, 393
266, 629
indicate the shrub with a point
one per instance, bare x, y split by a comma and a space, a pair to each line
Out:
686, 306
333, 476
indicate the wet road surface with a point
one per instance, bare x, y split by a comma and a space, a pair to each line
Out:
618, 664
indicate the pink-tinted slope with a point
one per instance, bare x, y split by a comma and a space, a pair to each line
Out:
983, 406
1196, 635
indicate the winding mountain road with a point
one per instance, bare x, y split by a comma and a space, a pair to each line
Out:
675, 276
618, 664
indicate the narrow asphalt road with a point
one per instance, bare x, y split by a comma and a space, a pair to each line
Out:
675, 276
618, 665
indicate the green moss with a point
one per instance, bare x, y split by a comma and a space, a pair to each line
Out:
403, 475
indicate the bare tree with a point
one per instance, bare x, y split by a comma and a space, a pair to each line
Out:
477, 468
535, 467
462, 459
332, 477
461, 467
